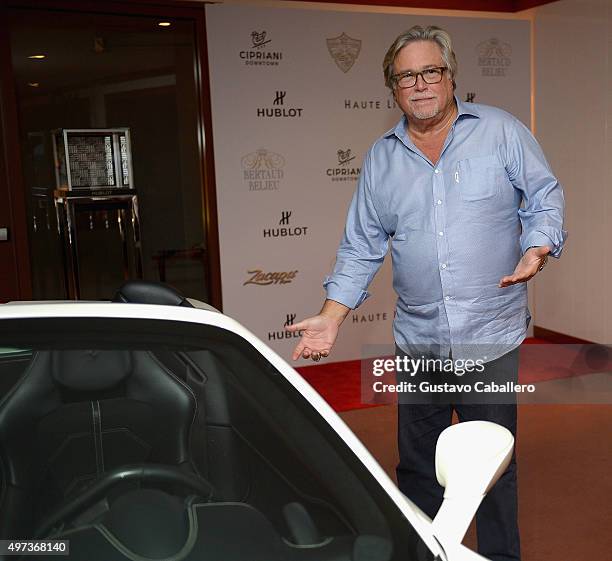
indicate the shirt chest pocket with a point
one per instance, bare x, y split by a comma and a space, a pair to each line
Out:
479, 178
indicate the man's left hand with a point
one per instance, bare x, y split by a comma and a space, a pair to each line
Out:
532, 262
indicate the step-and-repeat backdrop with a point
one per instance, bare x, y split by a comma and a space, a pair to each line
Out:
297, 98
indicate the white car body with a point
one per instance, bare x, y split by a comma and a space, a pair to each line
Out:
441, 543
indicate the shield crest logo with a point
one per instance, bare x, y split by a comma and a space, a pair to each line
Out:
344, 50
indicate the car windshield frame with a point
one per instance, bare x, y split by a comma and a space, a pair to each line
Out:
88, 332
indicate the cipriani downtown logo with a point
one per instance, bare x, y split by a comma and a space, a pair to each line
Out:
345, 169
263, 170
278, 108
259, 53
344, 50
285, 229
494, 57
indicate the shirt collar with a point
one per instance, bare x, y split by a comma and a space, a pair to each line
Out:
463, 108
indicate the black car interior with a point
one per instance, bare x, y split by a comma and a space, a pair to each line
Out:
175, 450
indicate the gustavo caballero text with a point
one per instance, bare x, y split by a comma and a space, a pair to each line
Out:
426, 376
427, 387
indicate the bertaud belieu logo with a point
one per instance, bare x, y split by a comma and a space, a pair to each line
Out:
263, 170
494, 57
259, 53
345, 170
344, 50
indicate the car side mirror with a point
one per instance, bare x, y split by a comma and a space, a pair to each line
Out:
470, 457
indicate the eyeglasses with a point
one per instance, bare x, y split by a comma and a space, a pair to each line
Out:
409, 79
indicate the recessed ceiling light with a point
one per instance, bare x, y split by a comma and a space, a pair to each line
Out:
33, 84
164, 24
38, 56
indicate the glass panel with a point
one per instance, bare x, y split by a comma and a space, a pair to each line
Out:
263, 473
103, 72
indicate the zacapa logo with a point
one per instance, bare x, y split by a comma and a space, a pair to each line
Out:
360, 104
261, 278
263, 170
284, 334
345, 170
372, 317
259, 54
344, 50
278, 108
284, 228
494, 57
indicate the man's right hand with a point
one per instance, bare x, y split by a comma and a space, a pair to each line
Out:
319, 332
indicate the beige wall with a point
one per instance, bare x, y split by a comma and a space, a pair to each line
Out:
573, 113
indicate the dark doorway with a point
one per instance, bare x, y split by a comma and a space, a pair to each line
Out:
83, 70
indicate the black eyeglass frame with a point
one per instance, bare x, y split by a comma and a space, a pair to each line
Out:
397, 77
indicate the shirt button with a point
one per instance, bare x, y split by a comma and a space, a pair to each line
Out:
440, 233
437, 171
443, 265
439, 202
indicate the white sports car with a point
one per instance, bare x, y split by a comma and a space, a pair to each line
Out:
166, 430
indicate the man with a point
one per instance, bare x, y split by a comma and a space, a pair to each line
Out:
446, 186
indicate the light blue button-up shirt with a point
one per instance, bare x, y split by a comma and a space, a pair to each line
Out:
456, 228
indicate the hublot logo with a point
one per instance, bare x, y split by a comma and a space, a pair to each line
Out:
286, 230
285, 215
263, 170
264, 279
280, 335
494, 57
257, 55
279, 100
470, 97
343, 171
344, 50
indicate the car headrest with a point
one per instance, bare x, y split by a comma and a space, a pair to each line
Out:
90, 370
148, 292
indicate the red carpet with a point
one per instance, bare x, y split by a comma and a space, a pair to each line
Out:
340, 382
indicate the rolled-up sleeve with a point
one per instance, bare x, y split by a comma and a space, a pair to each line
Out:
363, 246
543, 203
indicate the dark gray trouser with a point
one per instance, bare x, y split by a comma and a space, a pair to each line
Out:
420, 425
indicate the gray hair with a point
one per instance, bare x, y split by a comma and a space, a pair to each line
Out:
418, 33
